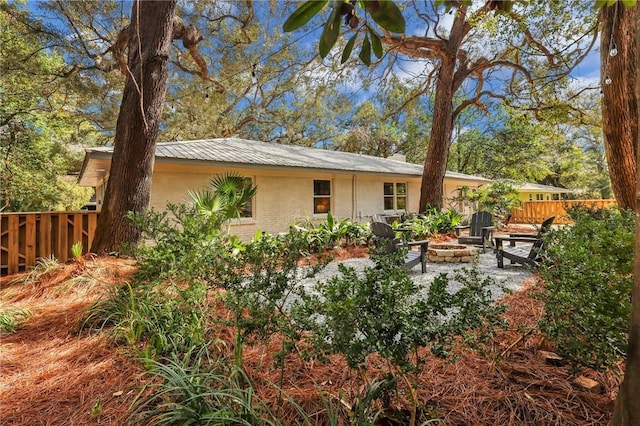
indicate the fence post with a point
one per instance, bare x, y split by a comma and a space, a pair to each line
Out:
13, 245
45, 249
77, 229
91, 229
30, 239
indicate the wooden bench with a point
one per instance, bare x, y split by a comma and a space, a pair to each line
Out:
524, 256
385, 236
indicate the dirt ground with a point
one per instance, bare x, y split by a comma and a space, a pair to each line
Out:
51, 375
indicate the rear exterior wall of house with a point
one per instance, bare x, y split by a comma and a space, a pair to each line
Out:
286, 196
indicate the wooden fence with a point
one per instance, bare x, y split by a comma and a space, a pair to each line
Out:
26, 237
535, 212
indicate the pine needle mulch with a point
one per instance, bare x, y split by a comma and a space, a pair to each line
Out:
51, 375
502, 382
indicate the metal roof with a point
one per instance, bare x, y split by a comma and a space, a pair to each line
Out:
255, 153
537, 187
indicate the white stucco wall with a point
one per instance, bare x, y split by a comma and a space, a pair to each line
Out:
286, 196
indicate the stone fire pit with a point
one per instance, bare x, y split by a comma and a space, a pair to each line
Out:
451, 253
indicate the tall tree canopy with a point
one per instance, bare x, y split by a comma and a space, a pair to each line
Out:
472, 56
241, 78
36, 126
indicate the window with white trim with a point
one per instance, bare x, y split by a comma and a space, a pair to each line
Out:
395, 196
321, 196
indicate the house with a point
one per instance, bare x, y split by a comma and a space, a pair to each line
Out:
294, 182
539, 192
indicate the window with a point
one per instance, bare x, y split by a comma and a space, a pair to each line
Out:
321, 196
246, 211
395, 196
539, 197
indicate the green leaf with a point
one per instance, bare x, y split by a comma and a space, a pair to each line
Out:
629, 3
365, 52
302, 15
346, 53
330, 33
386, 14
376, 44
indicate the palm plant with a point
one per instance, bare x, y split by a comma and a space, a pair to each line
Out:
228, 194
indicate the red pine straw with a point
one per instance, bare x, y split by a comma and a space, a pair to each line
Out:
50, 375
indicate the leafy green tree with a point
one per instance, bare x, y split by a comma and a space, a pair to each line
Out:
521, 47
498, 198
243, 79
369, 134
516, 149
33, 174
35, 129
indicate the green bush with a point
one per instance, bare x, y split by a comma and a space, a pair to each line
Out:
260, 286
588, 274
380, 311
497, 198
433, 221
331, 233
184, 244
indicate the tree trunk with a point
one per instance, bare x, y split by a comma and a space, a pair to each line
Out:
129, 185
435, 164
627, 408
619, 105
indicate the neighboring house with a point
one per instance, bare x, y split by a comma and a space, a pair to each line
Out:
293, 182
538, 192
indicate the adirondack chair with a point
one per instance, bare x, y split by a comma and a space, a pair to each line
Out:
544, 227
480, 230
524, 256
385, 236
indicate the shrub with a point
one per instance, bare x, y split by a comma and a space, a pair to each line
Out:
433, 221
331, 233
497, 198
379, 311
262, 284
588, 275
184, 244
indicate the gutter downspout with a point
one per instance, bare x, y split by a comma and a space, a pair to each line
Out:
354, 199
